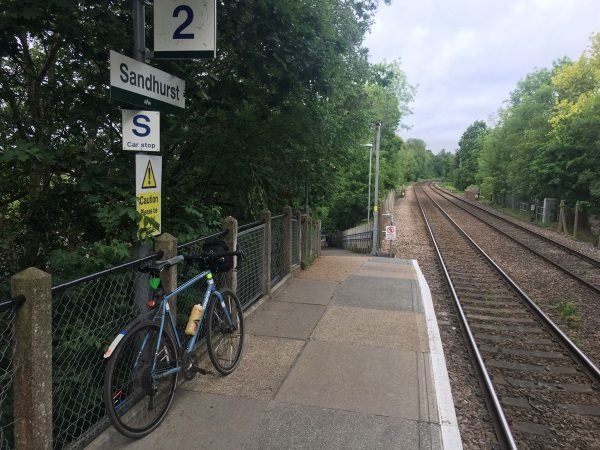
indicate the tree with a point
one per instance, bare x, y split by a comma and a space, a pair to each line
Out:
467, 155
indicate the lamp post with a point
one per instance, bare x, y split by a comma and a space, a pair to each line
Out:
376, 193
369, 194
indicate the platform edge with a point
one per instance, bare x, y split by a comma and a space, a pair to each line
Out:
450, 433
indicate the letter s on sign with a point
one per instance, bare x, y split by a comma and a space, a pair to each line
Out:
136, 121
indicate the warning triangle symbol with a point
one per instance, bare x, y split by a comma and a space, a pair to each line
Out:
149, 179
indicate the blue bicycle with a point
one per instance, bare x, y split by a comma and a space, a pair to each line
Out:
146, 358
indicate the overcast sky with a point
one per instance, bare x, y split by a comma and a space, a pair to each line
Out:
467, 55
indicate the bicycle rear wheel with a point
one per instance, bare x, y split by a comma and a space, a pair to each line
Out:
225, 342
136, 401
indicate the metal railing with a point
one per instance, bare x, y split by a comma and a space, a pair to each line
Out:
358, 242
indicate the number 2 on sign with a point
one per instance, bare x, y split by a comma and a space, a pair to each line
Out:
186, 23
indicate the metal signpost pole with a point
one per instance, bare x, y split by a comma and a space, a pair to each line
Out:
139, 30
376, 194
139, 51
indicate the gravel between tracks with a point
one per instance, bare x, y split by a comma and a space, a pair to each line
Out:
544, 283
413, 243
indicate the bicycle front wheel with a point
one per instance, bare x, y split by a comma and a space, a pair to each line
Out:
225, 338
136, 397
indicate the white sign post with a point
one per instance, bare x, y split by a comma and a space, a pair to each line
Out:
185, 29
141, 131
390, 233
148, 178
142, 85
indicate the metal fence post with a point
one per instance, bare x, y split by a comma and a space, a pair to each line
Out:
32, 382
287, 239
265, 216
168, 244
229, 225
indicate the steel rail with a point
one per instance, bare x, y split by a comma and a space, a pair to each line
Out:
559, 266
582, 357
505, 432
564, 247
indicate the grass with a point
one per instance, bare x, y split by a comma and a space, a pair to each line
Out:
447, 185
576, 340
567, 311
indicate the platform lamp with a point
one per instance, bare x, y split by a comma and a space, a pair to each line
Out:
369, 195
376, 194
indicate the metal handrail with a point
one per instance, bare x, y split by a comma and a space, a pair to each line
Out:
96, 275
11, 303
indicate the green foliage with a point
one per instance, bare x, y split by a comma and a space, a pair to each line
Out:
277, 114
568, 312
467, 155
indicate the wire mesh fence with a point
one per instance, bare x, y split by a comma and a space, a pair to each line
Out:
7, 371
295, 242
250, 274
89, 312
86, 316
277, 250
185, 301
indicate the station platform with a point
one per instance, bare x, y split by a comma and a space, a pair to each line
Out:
346, 354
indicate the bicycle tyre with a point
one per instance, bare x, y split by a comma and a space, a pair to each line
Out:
216, 327
132, 405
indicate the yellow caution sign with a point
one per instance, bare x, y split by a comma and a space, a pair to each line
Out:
149, 178
148, 175
148, 205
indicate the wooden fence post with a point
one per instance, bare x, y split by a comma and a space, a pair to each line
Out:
576, 220
265, 216
32, 382
229, 225
305, 238
168, 277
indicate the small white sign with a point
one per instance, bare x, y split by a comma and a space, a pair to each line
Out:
185, 29
142, 85
141, 131
148, 178
390, 233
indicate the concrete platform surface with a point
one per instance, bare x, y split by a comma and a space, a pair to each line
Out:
345, 355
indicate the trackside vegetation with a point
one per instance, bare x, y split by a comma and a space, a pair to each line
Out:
545, 142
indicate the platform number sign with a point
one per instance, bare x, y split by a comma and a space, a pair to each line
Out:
141, 131
390, 233
185, 29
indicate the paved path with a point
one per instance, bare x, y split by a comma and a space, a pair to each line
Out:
337, 359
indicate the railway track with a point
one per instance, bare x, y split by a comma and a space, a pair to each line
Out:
542, 391
581, 267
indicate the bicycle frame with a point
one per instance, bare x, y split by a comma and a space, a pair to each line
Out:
165, 311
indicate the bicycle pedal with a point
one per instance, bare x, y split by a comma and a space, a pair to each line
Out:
200, 370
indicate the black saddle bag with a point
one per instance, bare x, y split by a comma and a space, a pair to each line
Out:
218, 264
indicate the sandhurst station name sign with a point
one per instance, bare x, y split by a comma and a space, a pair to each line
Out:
140, 84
